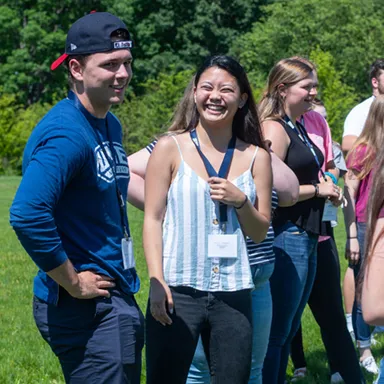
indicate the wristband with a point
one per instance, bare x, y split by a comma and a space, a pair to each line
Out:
333, 177
352, 237
243, 203
316, 189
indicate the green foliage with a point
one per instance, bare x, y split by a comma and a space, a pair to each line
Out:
181, 33
33, 34
16, 124
168, 34
350, 30
144, 117
337, 97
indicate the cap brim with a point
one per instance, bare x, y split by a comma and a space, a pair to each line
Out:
58, 61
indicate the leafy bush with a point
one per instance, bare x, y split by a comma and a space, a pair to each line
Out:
16, 124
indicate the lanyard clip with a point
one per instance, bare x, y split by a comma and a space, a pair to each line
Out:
121, 198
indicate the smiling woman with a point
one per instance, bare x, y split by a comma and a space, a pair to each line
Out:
200, 201
291, 89
217, 96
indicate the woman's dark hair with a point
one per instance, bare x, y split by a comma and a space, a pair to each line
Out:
246, 123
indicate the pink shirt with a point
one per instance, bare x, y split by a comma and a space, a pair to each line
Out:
355, 161
319, 132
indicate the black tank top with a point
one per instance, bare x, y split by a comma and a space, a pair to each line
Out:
305, 214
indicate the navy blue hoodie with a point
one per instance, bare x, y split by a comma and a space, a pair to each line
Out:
66, 206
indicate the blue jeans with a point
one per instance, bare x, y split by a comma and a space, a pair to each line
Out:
380, 379
291, 285
261, 323
362, 329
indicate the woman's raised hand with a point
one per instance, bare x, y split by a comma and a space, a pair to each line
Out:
224, 191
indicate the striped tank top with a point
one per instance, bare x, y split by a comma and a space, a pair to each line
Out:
258, 253
262, 253
191, 215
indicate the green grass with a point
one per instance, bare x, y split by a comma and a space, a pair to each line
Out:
26, 358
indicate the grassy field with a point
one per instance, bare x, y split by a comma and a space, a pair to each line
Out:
24, 356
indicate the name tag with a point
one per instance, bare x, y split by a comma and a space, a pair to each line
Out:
222, 246
330, 212
127, 251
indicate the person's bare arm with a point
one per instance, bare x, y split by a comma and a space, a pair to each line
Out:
285, 182
157, 181
331, 168
255, 220
347, 143
275, 133
373, 284
137, 165
351, 186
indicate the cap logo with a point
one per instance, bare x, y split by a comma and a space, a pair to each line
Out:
73, 47
122, 44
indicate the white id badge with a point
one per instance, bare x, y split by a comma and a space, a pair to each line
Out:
223, 246
330, 212
127, 250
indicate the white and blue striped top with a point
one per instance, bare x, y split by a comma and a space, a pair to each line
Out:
259, 253
191, 215
262, 253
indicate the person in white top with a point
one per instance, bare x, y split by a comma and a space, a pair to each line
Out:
355, 121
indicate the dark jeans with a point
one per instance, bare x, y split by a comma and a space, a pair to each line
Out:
224, 320
291, 284
326, 305
361, 328
96, 340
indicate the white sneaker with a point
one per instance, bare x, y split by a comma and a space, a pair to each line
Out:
373, 340
369, 364
336, 378
299, 374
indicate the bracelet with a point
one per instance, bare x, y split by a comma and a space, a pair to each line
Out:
243, 203
316, 189
332, 176
351, 237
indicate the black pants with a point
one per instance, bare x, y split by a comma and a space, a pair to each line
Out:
97, 340
326, 305
224, 320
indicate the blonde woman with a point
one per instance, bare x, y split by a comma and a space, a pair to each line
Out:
291, 89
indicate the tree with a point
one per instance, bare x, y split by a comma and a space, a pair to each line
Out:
181, 33
350, 30
33, 34
16, 124
144, 117
337, 97
167, 34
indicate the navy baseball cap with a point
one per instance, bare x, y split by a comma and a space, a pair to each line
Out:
92, 34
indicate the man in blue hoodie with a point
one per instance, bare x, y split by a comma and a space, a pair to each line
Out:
69, 213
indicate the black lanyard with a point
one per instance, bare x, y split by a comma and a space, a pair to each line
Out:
223, 171
111, 162
301, 132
